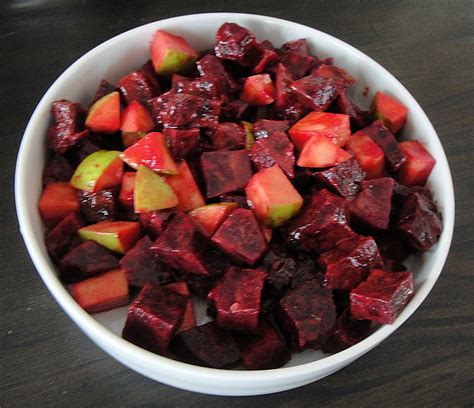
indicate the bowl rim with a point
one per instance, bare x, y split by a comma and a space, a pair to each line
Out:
100, 334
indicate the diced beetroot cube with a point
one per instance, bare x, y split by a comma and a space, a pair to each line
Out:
334, 72
58, 169
350, 263
210, 66
66, 129
241, 237
185, 187
269, 57
204, 87
258, 90
154, 317
233, 110
206, 345
344, 178
189, 318
83, 149
181, 245
333, 126
100, 293
97, 206
368, 153
391, 112
319, 152
382, 296
346, 332
237, 299
148, 70
126, 190
294, 55
211, 216
86, 260
60, 238
263, 128
236, 43
57, 200
225, 171
227, 136
306, 315
263, 350
283, 94
417, 168
373, 205
103, 89
316, 92
419, 221
359, 118
156, 222
394, 156
274, 149
142, 266
321, 223
299, 46
394, 250
137, 87
182, 142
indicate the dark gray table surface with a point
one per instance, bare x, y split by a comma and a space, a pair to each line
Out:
429, 45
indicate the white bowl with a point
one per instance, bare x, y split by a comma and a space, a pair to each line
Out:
123, 53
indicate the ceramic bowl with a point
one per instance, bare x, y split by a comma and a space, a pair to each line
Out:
123, 53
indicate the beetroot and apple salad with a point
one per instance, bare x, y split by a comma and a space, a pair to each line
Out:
245, 176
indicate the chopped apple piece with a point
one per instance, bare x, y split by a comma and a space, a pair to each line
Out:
126, 189
136, 122
151, 192
104, 115
249, 137
118, 236
416, 170
273, 197
211, 216
320, 152
98, 171
392, 113
58, 200
370, 156
152, 152
258, 90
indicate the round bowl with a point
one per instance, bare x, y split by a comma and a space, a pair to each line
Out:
123, 53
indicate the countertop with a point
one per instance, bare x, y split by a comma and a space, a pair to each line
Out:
46, 361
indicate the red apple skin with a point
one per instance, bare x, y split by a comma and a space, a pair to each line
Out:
151, 151
391, 112
258, 90
136, 122
189, 318
417, 168
186, 188
103, 292
126, 190
334, 126
111, 177
319, 152
211, 216
58, 200
370, 156
104, 115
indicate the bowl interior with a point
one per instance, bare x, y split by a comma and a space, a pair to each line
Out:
126, 52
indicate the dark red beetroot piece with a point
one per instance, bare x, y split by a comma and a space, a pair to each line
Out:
238, 44
269, 57
136, 86
332, 71
182, 142
233, 110
346, 332
189, 318
350, 263
142, 266
204, 87
344, 178
206, 345
225, 171
419, 221
359, 118
307, 314
393, 250
154, 317
85, 260
294, 55
181, 245
211, 67
382, 296
394, 156
183, 110
264, 350
316, 92
321, 224
373, 205
98, 206
237, 299
66, 129
241, 237
227, 136
60, 239
274, 149
57, 169
263, 128
156, 222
